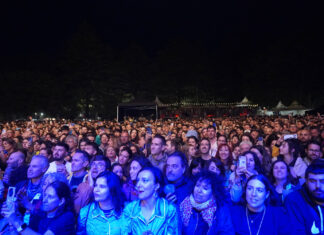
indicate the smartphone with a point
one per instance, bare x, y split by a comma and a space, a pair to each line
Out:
260, 138
149, 130
242, 161
11, 197
290, 136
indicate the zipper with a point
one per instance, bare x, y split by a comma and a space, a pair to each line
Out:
321, 217
196, 223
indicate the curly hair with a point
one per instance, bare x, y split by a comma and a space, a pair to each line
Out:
217, 184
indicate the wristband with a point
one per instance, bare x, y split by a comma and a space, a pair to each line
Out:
22, 227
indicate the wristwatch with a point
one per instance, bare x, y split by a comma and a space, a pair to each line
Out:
22, 227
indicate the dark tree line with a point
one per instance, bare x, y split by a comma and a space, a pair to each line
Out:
120, 53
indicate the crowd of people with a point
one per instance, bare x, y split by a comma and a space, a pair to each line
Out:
230, 175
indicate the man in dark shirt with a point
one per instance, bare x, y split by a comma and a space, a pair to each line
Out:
16, 170
306, 206
80, 162
175, 170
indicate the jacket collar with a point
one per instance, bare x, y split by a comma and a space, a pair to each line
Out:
160, 209
97, 212
182, 181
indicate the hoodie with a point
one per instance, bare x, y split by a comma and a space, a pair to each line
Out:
306, 217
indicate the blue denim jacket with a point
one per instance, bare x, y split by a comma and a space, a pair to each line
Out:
97, 222
164, 221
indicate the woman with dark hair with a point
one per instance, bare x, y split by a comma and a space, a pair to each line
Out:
103, 215
135, 149
119, 171
56, 216
242, 173
235, 140
216, 166
150, 214
104, 138
191, 152
136, 165
9, 146
247, 137
205, 211
290, 153
195, 167
124, 157
257, 213
134, 136
281, 178
263, 156
34, 206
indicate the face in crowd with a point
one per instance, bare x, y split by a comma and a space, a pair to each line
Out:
256, 194
146, 185
202, 191
174, 168
315, 185
204, 147
157, 146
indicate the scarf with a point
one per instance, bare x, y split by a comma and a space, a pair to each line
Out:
207, 210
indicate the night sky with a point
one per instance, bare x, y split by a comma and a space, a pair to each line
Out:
94, 51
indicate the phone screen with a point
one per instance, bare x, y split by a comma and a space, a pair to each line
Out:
242, 161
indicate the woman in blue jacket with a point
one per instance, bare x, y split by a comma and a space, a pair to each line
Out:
103, 216
150, 214
205, 211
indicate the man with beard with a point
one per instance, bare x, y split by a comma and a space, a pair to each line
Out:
16, 170
158, 157
303, 137
204, 149
306, 206
313, 152
59, 164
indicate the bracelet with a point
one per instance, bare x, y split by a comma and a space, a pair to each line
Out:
21, 227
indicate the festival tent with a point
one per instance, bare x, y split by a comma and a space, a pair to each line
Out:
244, 103
139, 109
186, 108
280, 106
294, 109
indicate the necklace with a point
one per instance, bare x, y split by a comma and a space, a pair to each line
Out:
247, 219
253, 217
